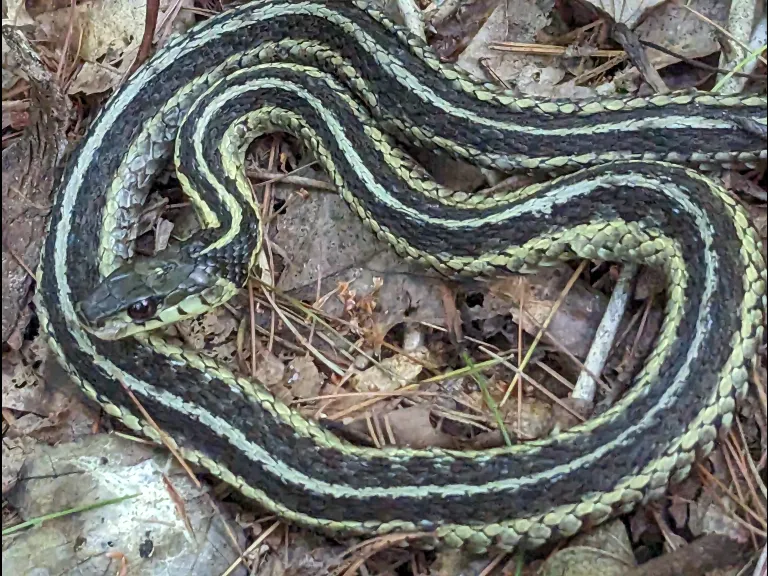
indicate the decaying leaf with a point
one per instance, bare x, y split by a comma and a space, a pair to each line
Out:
606, 550
393, 373
303, 378
682, 31
578, 315
513, 20
628, 12
94, 78
412, 427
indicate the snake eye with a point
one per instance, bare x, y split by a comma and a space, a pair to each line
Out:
143, 309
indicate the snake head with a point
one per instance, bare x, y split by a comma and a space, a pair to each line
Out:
150, 293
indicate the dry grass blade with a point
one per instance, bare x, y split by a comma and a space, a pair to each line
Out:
533, 382
67, 42
319, 316
739, 494
492, 565
549, 50
761, 569
180, 505
384, 395
564, 349
364, 404
21, 262
541, 332
735, 499
741, 455
256, 543
314, 351
364, 550
266, 210
753, 467
150, 25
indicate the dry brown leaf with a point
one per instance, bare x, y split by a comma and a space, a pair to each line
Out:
15, 114
303, 378
15, 14
22, 386
606, 550
642, 526
681, 31
270, 371
512, 21
162, 234
209, 330
109, 27
576, 320
628, 12
537, 81
94, 78
395, 372
454, 30
708, 517
535, 418
412, 427
678, 510
15, 452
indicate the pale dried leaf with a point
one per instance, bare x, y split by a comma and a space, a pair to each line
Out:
16, 115
22, 386
454, 24
576, 320
641, 523
15, 452
534, 80
395, 372
270, 371
707, 517
94, 78
412, 427
109, 27
512, 21
303, 377
322, 237
219, 325
16, 14
208, 330
564, 419
535, 417
678, 510
162, 234
628, 12
606, 550
681, 31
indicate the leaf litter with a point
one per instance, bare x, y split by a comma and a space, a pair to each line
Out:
342, 297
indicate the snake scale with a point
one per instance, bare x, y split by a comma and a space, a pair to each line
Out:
351, 86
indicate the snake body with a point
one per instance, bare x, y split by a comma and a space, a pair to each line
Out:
346, 81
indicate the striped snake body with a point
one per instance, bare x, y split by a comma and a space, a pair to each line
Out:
344, 80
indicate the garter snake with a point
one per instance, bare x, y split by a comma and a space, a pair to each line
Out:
346, 82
